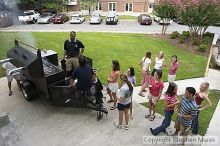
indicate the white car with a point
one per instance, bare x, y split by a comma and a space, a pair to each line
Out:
164, 21
77, 19
45, 18
29, 16
95, 19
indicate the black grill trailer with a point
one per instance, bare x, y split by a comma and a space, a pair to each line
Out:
43, 76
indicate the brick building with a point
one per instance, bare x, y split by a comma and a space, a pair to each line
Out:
73, 5
136, 6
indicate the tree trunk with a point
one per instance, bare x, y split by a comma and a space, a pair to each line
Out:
163, 29
204, 30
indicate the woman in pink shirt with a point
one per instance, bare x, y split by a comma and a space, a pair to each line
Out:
173, 68
171, 101
155, 91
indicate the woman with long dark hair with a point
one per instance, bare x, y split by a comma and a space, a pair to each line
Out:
170, 102
145, 62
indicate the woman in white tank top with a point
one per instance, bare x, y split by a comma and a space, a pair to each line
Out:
159, 62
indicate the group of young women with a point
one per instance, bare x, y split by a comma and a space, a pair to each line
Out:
151, 80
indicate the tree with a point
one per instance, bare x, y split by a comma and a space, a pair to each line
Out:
166, 10
198, 15
88, 4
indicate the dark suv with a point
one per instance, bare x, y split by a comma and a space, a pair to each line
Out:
112, 18
144, 19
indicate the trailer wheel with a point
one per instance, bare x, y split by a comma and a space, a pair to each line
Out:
27, 90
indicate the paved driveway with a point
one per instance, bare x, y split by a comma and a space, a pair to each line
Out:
39, 123
131, 26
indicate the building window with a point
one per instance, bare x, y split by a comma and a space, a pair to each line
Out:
72, 2
129, 7
98, 6
112, 6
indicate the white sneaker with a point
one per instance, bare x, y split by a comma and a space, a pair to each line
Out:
126, 127
117, 125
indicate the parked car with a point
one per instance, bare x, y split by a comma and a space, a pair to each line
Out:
77, 19
45, 18
164, 21
6, 19
60, 18
144, 19
112, 18
95, 18
29, 16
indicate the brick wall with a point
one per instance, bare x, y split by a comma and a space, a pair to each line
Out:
138, 5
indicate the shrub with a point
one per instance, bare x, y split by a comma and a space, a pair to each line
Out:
196, 41
182, 39
174, 35
186, 33
203, 48
208, 34
206, 40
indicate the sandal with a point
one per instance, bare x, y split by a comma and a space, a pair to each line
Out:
112, 108
152, 118
141, 94
147, 116
110, 101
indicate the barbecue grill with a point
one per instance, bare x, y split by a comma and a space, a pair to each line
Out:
44, 77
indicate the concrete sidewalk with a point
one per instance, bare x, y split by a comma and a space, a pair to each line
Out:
39, 123
214, 80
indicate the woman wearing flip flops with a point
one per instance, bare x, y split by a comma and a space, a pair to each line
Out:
155, 90
112, 88
145, 62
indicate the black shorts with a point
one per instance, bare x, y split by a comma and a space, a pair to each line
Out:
122, 107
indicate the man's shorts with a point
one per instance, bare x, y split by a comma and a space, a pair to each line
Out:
72, 63
184, 130
10, 78
113, 87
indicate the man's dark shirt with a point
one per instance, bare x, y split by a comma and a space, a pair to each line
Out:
73, 47
84, 75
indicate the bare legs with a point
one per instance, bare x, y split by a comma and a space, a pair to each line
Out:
9, 87
121, 115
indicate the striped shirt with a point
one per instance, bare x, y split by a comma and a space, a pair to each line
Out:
187, 107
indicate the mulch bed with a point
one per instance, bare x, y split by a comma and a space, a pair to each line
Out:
186, 46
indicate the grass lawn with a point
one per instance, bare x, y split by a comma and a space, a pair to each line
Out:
104, 47
204, 117
127, 17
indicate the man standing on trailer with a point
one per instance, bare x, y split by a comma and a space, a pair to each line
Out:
73, 48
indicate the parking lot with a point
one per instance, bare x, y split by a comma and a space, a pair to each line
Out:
131, 26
